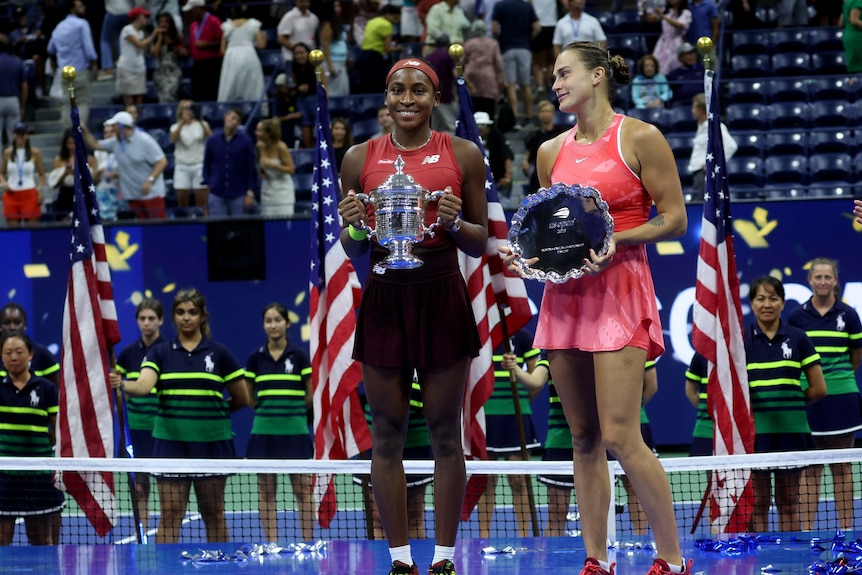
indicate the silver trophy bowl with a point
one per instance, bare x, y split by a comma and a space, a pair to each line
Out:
399, 212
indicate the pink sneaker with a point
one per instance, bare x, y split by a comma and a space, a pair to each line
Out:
660, 567
593, 567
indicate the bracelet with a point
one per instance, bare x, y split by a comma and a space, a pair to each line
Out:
357, 235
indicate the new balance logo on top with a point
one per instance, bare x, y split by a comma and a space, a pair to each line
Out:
431, 159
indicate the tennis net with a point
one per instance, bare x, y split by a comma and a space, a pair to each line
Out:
507, 516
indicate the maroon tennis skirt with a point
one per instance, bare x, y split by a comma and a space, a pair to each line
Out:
419, 318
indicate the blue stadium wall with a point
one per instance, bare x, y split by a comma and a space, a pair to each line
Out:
776, 238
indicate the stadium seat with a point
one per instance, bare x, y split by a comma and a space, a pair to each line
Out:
826, 38
786, 143
831, 89
832, 142
627, 22
681, 145
684, 175
743, 171
830, 190
791, 64
628, 46
364, 106
747, 92
825, 63
679, 120
623, 98
788, 90
271, 60
606, 19
564, 119
364, 129
835, 114
747, 117
789, 40
786, 170
163, 137
769, 16
795, 115
303, 160
745, 42
156, 116
831, 168
655, 116
750, 66
750, 144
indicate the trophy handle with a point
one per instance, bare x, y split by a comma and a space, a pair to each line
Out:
433, 197
365, 198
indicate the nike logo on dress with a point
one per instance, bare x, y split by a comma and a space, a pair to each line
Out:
579, 160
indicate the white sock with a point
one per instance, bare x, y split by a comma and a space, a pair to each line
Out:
401, 554
606, 565
677, 568
441, 553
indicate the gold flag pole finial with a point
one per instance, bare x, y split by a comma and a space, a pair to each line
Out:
68, 73
456, 51
705, 45
316, 57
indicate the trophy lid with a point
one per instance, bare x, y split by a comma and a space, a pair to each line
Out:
399, 180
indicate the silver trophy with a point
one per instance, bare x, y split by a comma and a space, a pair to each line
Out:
399, 212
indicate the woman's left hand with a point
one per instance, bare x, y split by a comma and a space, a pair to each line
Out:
448, 208
597, 263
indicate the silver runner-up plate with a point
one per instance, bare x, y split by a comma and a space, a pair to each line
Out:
560, 225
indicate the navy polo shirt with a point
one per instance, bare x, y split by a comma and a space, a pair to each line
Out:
142, 410
25, 417
229, 165
516, 18
43, 364
774, 369
698, 373
834, 334
192, 406
279, 386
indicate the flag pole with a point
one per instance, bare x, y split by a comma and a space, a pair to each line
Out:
69, 73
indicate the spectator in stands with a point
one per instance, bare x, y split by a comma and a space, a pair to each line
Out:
28, 43
675, 21
578, 26
375, 49
305, 92
792, 13
547, 130
71, 44
116, 18
170, 7
205, 49
149, 315
131, 81
107, 190
384, 120
193, 418
448, 18
241, 71
29, 417
13, 90
189, 136
542, 46
697, 162
412, 27
514, 24
285, 109
744, 14
499, 155
230, 169
168, 48
778, 400
651, 20
483, 68
132, 109
279, 379
333, 42
650, 88
275, 168
63, 174
298, 25
705, 19
828, 12
686, 81
342, 139
22, 179
13, 318
140, 165
852, 17
365, 10
446, 113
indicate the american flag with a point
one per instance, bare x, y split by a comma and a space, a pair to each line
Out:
718, 334
489, 284
340, 430
90, 326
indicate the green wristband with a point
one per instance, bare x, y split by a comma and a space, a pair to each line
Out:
357, 235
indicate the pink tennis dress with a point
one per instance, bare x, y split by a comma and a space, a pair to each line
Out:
603, 312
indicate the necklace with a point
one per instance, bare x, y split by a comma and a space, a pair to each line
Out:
403, 147
598, 133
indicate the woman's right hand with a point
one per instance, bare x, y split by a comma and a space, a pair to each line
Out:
509, 259
352, 211
116, 380
510, 361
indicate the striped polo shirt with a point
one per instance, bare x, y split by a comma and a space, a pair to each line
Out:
142, 410
279, 388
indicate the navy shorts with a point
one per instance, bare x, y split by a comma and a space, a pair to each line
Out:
700, 446
501, 434
28, 495
560, 481
142, 441
421, 453
835, 414
279, 447
778, 442
166, 448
